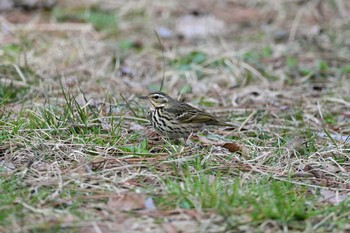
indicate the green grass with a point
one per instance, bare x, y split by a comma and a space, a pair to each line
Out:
18, 201
204, 185
9, 93
194, 184
244, 202
102, 20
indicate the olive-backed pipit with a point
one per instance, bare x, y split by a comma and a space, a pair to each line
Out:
176, 119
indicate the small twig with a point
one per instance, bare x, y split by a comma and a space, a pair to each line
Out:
246, 120
20, 73
128, 105
323, 221
162, 48
254, 71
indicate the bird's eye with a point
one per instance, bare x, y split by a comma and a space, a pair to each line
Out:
156, 97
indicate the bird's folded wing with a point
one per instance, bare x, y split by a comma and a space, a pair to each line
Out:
194, 117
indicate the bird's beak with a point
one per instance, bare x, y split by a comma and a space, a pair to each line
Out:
143, 97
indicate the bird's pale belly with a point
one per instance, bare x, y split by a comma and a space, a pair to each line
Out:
172, 128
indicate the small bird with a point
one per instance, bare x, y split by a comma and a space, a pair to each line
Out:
176, 119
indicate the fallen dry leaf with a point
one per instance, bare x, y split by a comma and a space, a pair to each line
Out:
7, 166
302, 174
332, 196
232, 147
315, 172
169, 228
126, 202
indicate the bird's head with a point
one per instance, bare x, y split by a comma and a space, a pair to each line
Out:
157, 99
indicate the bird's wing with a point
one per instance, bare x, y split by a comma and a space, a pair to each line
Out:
185, 113
189, 114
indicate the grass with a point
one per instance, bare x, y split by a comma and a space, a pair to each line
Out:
73, 134
102, 20
193, 184
261, 200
